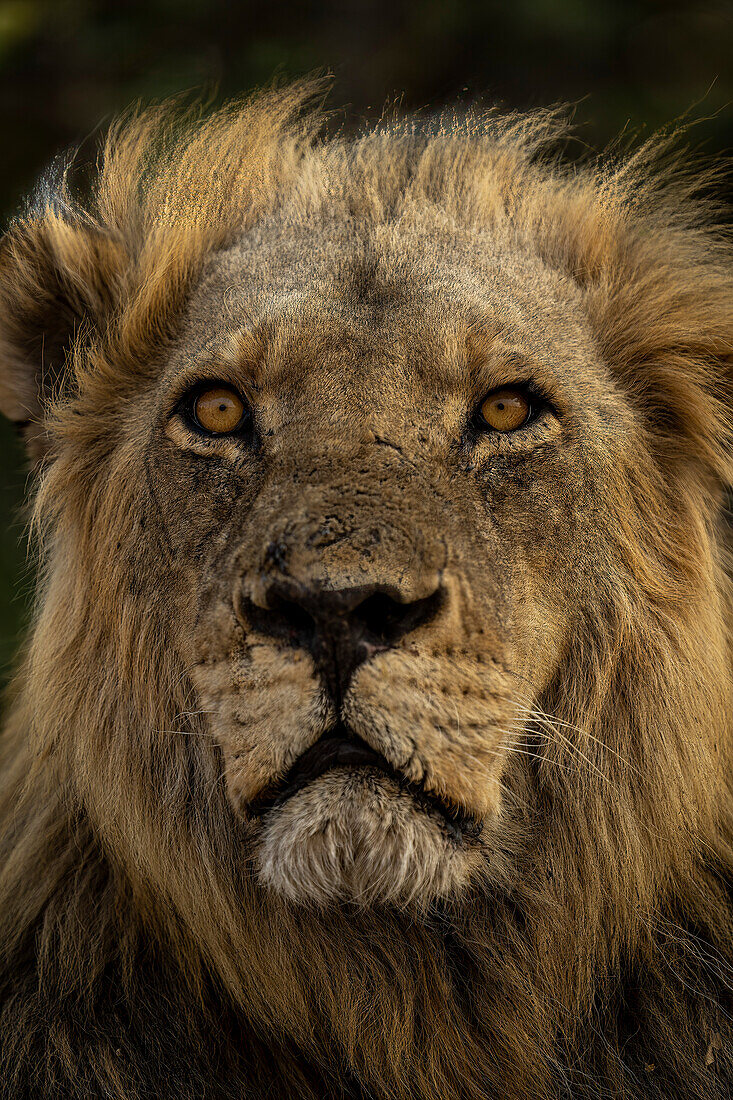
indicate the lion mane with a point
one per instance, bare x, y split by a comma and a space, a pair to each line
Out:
141, 956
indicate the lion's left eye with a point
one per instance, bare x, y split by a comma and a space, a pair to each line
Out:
219, 410
505, 410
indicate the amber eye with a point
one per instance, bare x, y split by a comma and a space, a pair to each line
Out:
505, 410
219, 410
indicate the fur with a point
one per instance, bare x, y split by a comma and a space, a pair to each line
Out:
574, 692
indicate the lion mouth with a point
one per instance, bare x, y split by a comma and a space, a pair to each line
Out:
340, 748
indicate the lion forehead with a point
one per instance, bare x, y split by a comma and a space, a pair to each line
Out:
335, 294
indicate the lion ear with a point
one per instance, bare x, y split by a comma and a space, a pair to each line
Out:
57, 276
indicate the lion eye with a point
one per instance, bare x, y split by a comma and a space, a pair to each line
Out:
505, 410
219, 410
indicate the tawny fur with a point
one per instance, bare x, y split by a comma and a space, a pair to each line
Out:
585, 951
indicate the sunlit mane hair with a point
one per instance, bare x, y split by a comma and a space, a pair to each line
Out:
137, 951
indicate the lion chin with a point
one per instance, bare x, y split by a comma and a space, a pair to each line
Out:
354, 836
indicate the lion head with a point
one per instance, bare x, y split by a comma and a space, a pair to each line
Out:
385, 607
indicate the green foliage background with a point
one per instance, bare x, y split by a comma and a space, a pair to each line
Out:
68, 65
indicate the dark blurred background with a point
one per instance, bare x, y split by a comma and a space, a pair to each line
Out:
68, 65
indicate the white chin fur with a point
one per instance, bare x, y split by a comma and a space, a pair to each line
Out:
353, 835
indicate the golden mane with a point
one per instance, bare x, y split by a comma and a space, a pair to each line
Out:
138, 956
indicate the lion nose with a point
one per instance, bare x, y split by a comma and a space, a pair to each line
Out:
340, 627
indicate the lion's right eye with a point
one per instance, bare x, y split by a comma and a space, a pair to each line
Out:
505, 410
219, 410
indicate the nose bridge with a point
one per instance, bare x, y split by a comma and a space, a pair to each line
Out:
346, 560
336, 522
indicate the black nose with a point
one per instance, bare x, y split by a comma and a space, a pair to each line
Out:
340, 627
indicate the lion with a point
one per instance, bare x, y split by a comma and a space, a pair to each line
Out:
373, 734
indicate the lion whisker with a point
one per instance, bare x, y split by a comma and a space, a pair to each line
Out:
192, 713
575, 751
187, 733
553, 722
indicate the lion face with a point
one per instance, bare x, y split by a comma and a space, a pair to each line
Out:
385, 516
381, 472
375, 584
